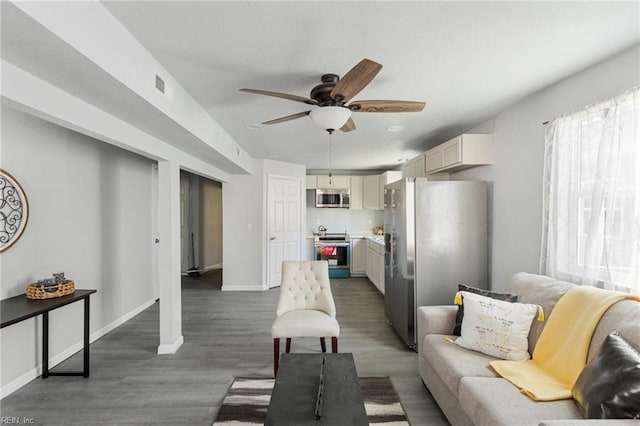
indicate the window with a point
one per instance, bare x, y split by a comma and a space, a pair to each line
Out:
592, 195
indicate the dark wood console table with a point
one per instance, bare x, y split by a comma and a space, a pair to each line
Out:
19, 308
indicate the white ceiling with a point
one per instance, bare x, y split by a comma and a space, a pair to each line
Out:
466, 60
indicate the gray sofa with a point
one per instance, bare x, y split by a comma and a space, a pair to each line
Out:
470, 393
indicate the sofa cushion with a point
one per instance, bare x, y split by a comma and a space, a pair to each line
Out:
538, 290
496, 327
609, 386
451, 362
621, 317
481, 291
495, 402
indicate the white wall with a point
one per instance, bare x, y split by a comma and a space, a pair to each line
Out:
518, 135
90, 216
244, 234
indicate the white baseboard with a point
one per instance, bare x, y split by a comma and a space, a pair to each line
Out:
172, 348
212, 267
17, 383
242, 287
202, 270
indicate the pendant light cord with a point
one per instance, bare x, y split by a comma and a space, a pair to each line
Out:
330, 158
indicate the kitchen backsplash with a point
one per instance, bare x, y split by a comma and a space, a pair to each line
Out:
339, 220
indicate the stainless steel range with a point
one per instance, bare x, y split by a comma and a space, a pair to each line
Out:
336, 249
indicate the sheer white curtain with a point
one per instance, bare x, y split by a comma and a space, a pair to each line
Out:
591, 206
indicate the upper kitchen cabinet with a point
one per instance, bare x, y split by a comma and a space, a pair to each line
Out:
460, 153
373, 189
337, 182
415, 167
355, 193
312, 182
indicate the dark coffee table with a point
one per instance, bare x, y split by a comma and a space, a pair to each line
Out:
294, 400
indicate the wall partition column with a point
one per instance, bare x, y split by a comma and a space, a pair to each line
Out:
169, 257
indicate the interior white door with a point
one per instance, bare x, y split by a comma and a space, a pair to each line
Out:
285, 224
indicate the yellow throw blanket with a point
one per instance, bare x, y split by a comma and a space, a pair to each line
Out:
561, 352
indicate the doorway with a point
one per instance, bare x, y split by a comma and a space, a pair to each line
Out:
200, 224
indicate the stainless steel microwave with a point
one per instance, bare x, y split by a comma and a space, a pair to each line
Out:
336, 198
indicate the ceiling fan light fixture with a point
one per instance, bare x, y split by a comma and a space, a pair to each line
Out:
330, 117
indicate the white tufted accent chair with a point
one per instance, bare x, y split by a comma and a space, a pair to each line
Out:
306, 307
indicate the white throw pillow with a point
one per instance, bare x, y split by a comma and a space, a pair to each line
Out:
495, 327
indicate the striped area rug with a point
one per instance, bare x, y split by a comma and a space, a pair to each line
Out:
247, 401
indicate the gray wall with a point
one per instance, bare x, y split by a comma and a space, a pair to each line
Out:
244, 235
90, 216
516, 174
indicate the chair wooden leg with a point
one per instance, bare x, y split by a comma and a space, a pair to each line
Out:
334, 345
288, 346
276, 356
323, 344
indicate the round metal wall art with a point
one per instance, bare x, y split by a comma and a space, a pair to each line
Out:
14, 210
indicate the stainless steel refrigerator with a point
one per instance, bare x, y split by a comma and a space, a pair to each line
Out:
435, 239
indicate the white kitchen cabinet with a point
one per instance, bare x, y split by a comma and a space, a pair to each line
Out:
341, 182
385, 178
374, 267
391, 176
414, 167
373, 189
462, 152
358, 256
420, 166
371, 192
380, 267
355, 193
312, 182
311, 250
433, 159
369, 266
337, 182
408, 169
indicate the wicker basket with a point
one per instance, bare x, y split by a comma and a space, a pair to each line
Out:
37, 291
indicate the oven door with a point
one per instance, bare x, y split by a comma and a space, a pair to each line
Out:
337, 254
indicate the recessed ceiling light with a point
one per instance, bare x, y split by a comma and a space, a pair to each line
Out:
396, 128
254, 126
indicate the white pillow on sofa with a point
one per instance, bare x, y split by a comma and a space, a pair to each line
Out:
495, 327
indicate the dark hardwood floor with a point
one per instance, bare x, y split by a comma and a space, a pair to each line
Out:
226, 334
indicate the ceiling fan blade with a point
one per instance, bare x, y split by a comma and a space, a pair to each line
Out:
355, 80
386, 106
282, 95
349, 125
288, 117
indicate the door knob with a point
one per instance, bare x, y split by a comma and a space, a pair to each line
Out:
272, 238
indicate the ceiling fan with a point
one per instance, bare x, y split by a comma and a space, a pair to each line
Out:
332, 95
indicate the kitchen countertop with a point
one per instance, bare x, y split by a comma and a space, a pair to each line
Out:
378, 239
